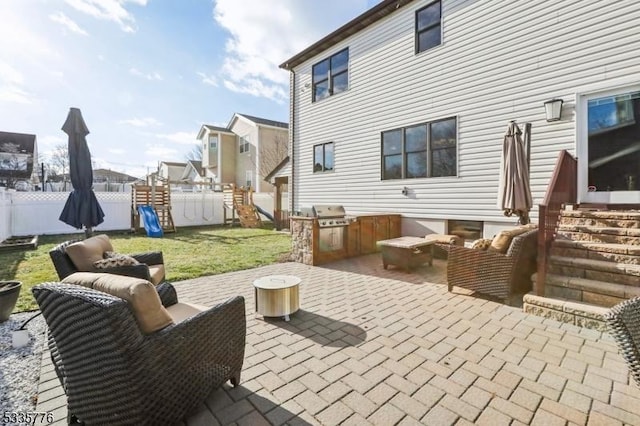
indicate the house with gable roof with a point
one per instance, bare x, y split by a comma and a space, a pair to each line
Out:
243, 152
404, 108
18, 154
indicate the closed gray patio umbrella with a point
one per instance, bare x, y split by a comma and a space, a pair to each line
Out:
514, 193
82, 208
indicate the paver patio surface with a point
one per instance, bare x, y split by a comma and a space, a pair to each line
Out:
379, 347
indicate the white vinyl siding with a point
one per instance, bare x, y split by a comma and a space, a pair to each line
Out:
499, 60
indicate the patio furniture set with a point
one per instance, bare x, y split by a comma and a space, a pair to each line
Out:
128, 352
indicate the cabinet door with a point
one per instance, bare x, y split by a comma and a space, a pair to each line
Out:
367, 235
353, 239
382, 228
395, 226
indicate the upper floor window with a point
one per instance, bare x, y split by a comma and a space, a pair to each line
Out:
331, 76
213, 142
425, 150
323, 157
428, 27
244, 145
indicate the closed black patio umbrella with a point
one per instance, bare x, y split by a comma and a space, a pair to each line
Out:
82, 208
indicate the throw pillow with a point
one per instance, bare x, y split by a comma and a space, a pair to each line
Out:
481, 244
113, 260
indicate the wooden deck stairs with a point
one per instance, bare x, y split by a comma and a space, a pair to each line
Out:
239, 207
594, 264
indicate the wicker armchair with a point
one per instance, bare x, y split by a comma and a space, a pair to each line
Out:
151, 267
113, 373
624, 325
494, 274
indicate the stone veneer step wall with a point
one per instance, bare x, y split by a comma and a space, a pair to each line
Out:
594, 264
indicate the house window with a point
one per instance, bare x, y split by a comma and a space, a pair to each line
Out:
244, 145
213, 142
428, 27
331, 76
248, 179
424, 150
323, 157
465, 229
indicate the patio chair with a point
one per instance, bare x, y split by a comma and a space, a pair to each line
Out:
125, 358
81, 255
500, 271
624, 325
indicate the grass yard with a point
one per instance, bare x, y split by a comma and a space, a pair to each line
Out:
188, 253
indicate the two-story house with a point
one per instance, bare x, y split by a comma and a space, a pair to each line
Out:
243, 152
404, 108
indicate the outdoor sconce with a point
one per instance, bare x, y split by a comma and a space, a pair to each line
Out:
405, 191
553, 109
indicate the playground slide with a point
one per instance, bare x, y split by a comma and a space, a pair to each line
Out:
264, 212
151, 222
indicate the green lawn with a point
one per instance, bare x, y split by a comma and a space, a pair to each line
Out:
188, 253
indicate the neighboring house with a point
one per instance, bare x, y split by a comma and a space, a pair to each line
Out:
171, 173
404, 108
219, 146
193, 175
18, 154
110, 176
245, 151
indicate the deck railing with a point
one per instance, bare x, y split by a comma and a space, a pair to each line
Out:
562, 190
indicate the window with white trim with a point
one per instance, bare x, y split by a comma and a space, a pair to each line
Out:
248, 177
244, 145
213, 141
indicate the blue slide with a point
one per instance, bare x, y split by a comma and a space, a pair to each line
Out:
264, 212
151, 222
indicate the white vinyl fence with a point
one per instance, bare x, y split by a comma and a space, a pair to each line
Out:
5, 216
36, 213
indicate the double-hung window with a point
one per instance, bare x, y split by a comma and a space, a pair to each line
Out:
423, 150
429, 27
331, 76
323, 157
244, 145
213, 142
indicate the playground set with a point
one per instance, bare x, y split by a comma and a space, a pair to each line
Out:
152, 203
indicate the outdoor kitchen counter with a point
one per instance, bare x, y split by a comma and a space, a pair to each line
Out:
369, 228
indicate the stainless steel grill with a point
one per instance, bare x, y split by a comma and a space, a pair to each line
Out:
331, 216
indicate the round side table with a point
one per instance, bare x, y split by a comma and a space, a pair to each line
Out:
277, 295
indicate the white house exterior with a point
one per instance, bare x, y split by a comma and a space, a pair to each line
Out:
245, 151
483, 64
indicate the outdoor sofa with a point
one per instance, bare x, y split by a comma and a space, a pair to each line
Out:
124, 355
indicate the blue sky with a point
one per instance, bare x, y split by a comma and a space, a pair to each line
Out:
148, 73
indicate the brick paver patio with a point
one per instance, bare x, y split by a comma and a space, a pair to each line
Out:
379, 347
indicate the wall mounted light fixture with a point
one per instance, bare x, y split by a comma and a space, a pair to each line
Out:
553, 109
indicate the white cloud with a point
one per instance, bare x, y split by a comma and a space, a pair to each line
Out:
257, 46
182, 138
11, 85
152, 76
116, 151
161, 152
109, 10
50, 140
141, 122
67, 22
210, 80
